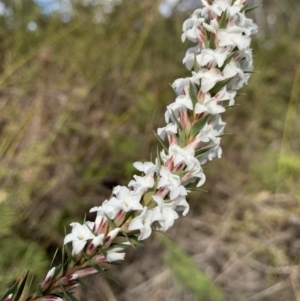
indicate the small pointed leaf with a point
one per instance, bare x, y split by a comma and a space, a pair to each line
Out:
71, 296
212, 44
176, 121
219, 86
198, 126
203, 150
103, 272
196, 66
228, 59
244, 8
182, 139
10, 291
193, 94
161, 142
17, 296
222, 23
248, 10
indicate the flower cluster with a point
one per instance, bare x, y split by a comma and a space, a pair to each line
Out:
220, 64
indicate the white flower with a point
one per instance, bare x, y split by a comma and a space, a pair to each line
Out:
232, 37
165, 213
148, 168
217, 8
143, 223
169, 129
141, 184
106, 209
212, 27
208, 78
182, 205
125, 199
191, 28
171, 182
214, 58
114, 255
79, 236
189, 57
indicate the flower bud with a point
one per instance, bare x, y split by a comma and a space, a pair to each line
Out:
111, 236
8, 298
47, 280
50, 298
85, 272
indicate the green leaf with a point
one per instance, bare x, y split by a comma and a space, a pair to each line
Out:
173, 89
85, 285
228, 59
68, 248
207, 38
182, 139
197, 127
248, 10
222, 23
103, 272
197, 189
71, 297
158, 159
202, 150
196, 66
222, 135
55, 256
219, 86
17, 296
244, 8
212, 44
230, 107
161, 142
11, 290
147, 197
192, 94
179, 125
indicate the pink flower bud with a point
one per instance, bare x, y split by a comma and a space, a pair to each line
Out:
118, 220
8, 298
85, 272
67, 280
50, 298
47, 280
96, 242
101, 225
111, 236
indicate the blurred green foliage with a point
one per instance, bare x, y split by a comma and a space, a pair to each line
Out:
188, 275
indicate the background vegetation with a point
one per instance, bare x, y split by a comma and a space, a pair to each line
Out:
80, 97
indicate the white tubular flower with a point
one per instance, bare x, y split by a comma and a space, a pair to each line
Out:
106, 210
169, 129
233, 37
212, 58
143, 223
79, 236
189, 57
164, 213
212, 27
208, 78
191, 28
182, 205
47, 280
219, 6
148, 168
141, 184
115, 255
171, 182
125, 199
